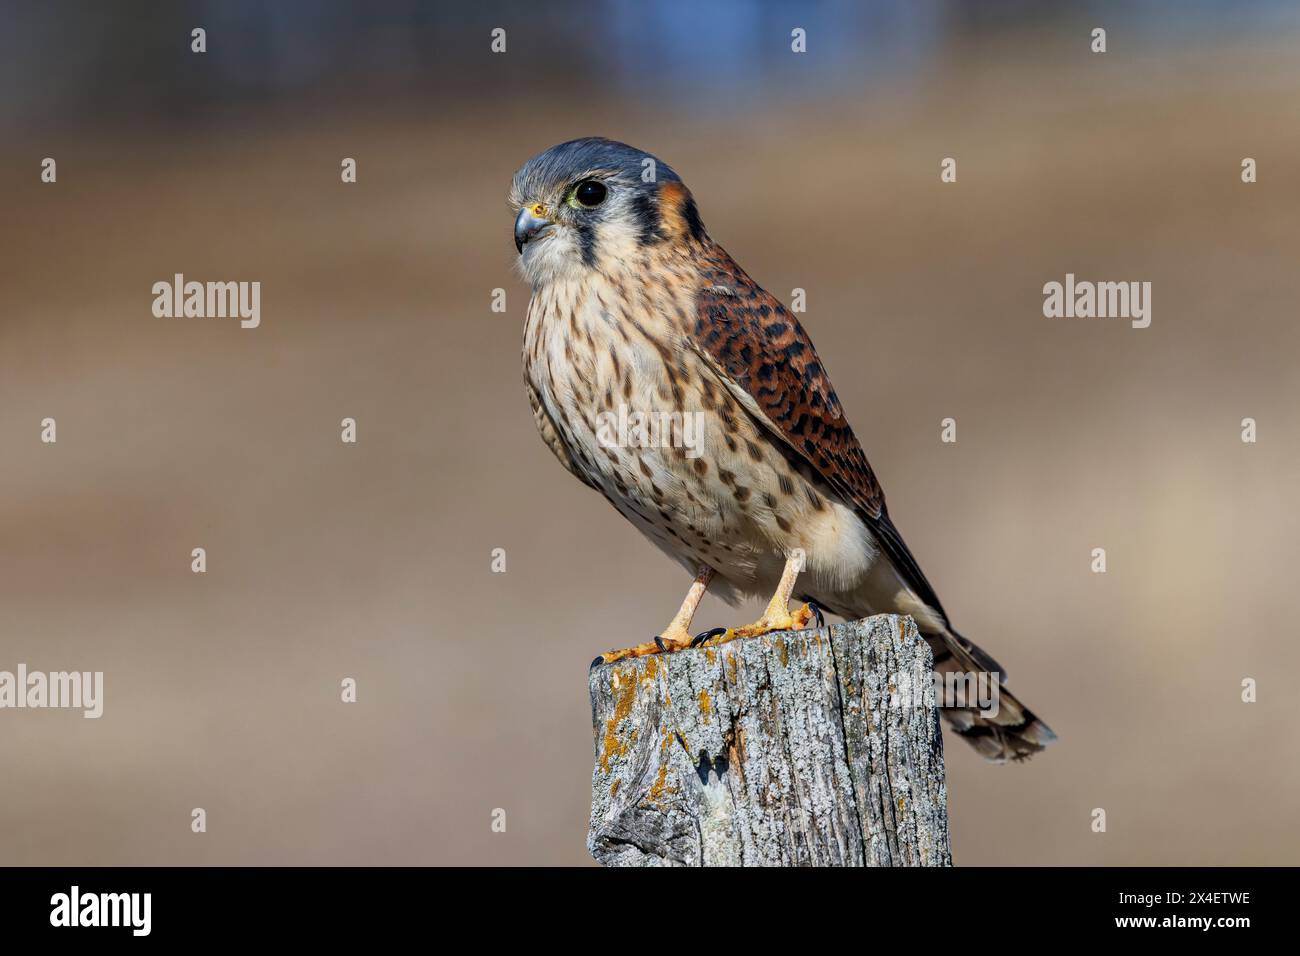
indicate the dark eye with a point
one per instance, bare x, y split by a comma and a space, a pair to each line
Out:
590, 193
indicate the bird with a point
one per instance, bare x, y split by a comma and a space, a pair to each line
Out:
638, 316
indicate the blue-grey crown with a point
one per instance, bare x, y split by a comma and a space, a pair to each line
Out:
564, 163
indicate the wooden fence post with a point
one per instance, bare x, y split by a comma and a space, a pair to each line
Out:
819, 747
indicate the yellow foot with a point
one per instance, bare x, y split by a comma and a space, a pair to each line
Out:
773, 619
672, 639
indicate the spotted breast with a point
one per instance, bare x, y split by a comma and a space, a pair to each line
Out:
630, 403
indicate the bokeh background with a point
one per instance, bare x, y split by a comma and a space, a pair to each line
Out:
818, 171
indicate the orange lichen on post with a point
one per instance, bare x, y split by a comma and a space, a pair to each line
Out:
660, 788
626, 691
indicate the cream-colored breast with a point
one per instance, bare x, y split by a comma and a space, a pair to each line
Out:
640, 415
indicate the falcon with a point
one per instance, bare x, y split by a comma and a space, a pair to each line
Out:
638, 315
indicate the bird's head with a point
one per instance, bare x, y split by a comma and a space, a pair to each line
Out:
594, 203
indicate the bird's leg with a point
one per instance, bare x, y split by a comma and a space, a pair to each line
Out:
777, 617
677, 634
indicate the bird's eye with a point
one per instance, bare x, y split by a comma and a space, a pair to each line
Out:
590, 193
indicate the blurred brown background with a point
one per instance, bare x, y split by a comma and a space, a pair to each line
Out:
372, 561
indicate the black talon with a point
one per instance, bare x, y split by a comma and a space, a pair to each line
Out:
659, 643
703, 636
817, 613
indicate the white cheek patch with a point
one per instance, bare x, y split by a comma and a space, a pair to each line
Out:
616, 231
555, 258
616, 240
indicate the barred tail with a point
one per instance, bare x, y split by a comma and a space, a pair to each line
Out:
1013, 732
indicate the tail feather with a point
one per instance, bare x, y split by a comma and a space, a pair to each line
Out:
1013, 732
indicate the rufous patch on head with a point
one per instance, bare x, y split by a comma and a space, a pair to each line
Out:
677, 211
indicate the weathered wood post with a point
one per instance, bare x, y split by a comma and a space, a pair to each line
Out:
812, 748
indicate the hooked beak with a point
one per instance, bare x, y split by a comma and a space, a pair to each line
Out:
531, 223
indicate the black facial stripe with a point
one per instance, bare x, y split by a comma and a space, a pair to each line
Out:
646, 213
692, 217
587, 241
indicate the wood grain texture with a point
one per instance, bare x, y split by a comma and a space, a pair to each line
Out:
820, 748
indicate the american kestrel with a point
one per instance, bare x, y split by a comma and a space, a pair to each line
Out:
638, 319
